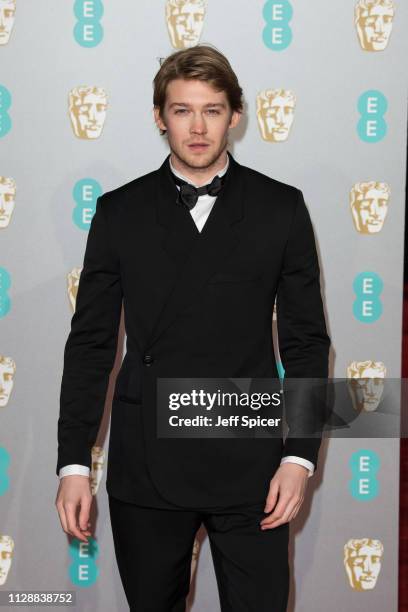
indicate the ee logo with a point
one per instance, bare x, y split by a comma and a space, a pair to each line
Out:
277, 34
85, 193
372, 106
367, 307
83, 570
364, 465
5, 282
4, 464
5, 103
88, 32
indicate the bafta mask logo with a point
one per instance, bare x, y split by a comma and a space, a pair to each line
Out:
73, 283
366, 384
6, 556
275, 111
362, 561
185, 20
7, 200
87, 111
7, 371
98, 460
7, 12
369, 205
373, 21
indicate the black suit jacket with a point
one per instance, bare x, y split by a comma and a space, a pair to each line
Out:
195, 305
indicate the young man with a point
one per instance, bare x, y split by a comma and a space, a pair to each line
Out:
197, 250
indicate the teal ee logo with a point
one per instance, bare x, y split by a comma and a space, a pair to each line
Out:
4, 477
281, 369
5, 103
364, 465
5, 283
88, 32
372, 106
83, 570
85, 193
367, 307
277, 34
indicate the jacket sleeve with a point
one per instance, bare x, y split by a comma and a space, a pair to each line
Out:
91, 345
302, 336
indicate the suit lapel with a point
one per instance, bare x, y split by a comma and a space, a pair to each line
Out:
198, 255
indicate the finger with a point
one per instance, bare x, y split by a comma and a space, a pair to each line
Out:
284, 502
84, 514
271, 524
272, 497
73, 530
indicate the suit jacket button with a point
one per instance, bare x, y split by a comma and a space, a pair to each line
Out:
148, 360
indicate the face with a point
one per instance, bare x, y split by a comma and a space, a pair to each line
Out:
197, 119
374, 26
185, 23
364, 567
7, 200
6, 383
369, 211
275, 116
88, 113
7, 11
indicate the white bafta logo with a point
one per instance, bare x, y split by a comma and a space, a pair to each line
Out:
369, 205
7, 13
7, 200
185, 19
373, 20
362, 562
73, 284
87, 111
6, 556
7, 371
275, 112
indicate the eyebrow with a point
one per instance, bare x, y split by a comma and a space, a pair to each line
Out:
221, 104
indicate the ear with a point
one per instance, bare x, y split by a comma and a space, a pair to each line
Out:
235, 119
157, 118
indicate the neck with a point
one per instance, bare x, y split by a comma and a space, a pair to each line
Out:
199, 176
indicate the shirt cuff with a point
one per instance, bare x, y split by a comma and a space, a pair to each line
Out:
299, 460
74, 469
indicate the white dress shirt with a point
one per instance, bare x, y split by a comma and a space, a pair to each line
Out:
200, 214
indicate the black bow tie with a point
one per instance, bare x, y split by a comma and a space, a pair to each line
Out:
189, 194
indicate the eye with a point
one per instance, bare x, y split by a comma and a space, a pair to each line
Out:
213, 111
181, 110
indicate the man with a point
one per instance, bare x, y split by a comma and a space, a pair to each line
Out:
198, 269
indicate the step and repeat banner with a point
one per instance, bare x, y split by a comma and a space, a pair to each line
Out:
325, 100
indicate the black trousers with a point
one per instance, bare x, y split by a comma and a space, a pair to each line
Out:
153, 549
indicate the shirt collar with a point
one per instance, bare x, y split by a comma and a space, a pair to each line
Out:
184, 178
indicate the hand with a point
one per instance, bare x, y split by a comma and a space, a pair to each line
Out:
289, 481
74, 491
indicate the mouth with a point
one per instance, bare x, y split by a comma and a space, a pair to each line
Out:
198, 147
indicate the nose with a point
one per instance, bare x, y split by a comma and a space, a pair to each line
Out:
198, 125
279, 115
379, 25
